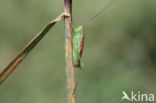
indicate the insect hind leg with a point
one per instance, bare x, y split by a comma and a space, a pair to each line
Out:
68, 37
82, 66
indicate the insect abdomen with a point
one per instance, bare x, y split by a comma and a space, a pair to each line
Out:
78, 45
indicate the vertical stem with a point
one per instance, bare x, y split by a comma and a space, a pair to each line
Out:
70, 81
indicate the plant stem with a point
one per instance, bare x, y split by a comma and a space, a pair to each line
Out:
70, 81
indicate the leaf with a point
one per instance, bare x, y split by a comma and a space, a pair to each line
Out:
18, 59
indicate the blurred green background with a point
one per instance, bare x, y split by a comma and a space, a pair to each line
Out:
119, 54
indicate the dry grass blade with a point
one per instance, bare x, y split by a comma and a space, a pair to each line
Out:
70, 78
13, 64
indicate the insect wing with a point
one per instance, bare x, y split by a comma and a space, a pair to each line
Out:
81, 46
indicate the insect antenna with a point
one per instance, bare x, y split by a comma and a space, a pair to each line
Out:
94, 17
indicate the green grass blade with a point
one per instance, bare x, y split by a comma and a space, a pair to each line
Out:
14, 63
